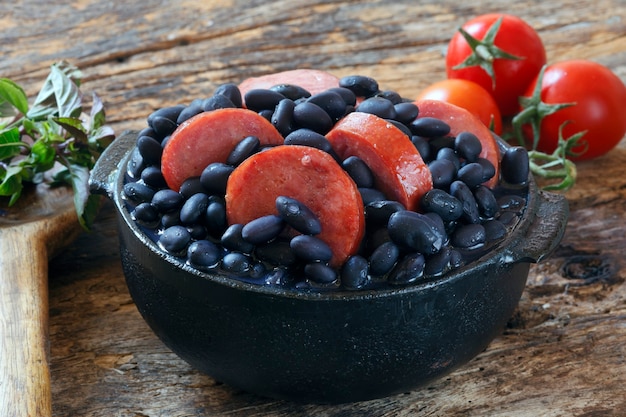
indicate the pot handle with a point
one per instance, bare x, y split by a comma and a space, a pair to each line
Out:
547, 229
103, 174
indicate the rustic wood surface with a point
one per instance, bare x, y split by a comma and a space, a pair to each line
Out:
562, 354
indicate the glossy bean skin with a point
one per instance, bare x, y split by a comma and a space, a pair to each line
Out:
153, 177
486, 201
277, 252
308, 137
150, 150
194, 208
406, 112
247, 147
443, 172
217, 101
290, 91
331, 102
310, 248
429, 127
283, 116
263, 229
311, 116
138, 192
298, 215
175, 239
145, 213
462, 192
231, 92
215, 216
379, 211
167, 200
355, 273
468, 146
469, 236
203, 254
408, 270
358, 171
384, 258
444, 204
378, 106
262, 99
189, 111
233, 240
237, 263
515, 168
471, 174
416, 232
360, 85
320, 273
215, 176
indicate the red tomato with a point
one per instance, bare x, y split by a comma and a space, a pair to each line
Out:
600, 108
511, 76
468, 95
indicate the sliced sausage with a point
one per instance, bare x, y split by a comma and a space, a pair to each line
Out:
314, 81
399, 171
308, 175
210, 137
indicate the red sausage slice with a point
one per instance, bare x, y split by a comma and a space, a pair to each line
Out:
314, 81
210, 137
461, 120
398, 168
312, 177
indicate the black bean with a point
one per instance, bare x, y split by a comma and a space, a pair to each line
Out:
188, 112
390, 95
443, 172
247, 147
406, 112
360, 85
165, 140
138, 192
191, 186
378, 212
276, 252
375, 238
308, 137
203, 254
451, 155
232, 239
197, 231
320, 273
370, 195
422, 146
292, 92
469, 236
409, 269
310, 248
355, 273
262, 99
415, 231
167, 200
298, 215
378, 106
215, 216
170, 113
488, 169
471, 174
217, 101
347, 95
468, 146
515, 168
175, 239
384, 258
429, 127
267, 114
311, 116
512, 202
135, 164
494, 229
486, 200
150, 149
153, 177
194, 208
441, 142
170, 219
331, 102
437, 223
282, 118
439, 263
401, 126
262, 229
442, 203
358, 170
237, 263
215, 176
470, 208
145, 213
231, 92
148, 131
163, 126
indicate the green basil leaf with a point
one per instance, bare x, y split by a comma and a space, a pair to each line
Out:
86, 204
97, 114
59, 95
11, 93
10, 143
73, 126
11, 184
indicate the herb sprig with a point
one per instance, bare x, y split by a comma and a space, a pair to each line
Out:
53, 140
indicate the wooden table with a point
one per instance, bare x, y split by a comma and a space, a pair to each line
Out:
562, 354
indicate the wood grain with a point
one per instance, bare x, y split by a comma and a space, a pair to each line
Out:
562, 354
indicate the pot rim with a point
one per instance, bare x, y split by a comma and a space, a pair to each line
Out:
544, 213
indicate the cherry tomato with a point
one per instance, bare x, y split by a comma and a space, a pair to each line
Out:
468, 95
514, 39
600, 107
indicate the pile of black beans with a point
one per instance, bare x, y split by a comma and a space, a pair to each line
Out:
460, 219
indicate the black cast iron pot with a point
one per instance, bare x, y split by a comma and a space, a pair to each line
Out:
330, 347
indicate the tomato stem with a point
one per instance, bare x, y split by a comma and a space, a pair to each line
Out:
485, 52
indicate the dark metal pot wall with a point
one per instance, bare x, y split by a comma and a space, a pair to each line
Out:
327, 347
